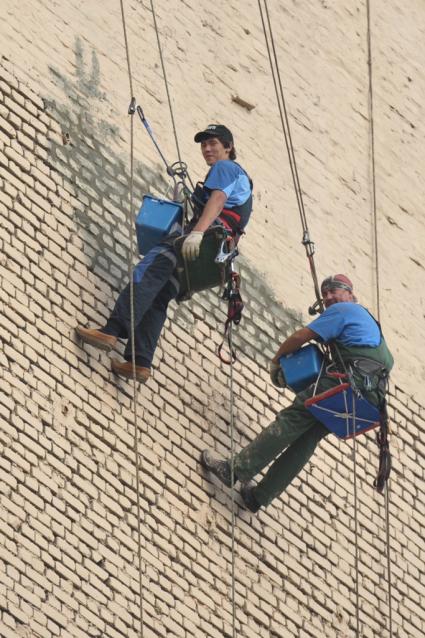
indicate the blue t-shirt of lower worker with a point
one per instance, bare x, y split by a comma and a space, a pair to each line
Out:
349, 323
229, 177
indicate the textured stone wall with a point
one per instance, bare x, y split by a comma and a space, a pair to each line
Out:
69, 536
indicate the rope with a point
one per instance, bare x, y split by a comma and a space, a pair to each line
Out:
232, 480
230, 337
281, 102
164, 74
376, 251
356, 521
310, 252
133, 354
127, 48
372, 151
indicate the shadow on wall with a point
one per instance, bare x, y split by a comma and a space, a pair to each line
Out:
101, 182
101, 178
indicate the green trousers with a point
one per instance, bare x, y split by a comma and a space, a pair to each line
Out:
289, 442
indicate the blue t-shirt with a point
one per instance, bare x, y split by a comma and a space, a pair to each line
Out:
229, 177
349, 323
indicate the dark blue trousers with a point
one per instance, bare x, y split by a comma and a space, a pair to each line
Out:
154, 285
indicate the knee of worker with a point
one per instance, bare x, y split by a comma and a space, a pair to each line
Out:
296, 421
165, 295
317, 433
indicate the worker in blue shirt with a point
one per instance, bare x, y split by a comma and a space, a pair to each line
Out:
224, 198
357, 343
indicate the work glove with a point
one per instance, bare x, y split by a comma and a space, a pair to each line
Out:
192, 245
276, 375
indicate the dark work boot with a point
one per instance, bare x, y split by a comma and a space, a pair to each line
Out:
248, 497
220, 468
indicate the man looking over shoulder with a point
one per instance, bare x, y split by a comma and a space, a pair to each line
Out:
224, 198
226, 194
356, 342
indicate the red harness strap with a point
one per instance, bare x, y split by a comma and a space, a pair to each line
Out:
231, 221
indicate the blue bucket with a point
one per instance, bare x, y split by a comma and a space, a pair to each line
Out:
301, 368
155, 220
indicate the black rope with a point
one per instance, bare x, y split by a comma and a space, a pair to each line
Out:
281, 102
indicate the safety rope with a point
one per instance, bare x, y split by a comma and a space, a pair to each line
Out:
356, 521
133, 109
384, 426
281, 102
131, 112
309, 246
372, 152
229, 336
232, 481
164, 75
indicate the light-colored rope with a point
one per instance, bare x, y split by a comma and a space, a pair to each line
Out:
378, 297
133, 355
232, 480
164, 75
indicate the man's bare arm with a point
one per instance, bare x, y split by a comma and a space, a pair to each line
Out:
212, 210
294, 342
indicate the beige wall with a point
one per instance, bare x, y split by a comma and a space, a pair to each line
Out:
69, 540
212, 53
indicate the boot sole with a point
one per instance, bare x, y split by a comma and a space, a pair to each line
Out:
94, 342
128, 375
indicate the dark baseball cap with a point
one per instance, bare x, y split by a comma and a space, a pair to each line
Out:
215, 130
337, 281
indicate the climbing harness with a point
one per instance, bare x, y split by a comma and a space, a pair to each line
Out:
209, 269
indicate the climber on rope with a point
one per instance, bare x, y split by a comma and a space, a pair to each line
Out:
291, 439
225, 197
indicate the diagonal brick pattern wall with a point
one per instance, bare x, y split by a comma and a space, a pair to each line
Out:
213, 52
69, 539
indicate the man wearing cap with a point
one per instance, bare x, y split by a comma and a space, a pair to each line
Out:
356, 341
225, 197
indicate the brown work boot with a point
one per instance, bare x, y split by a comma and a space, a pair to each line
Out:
125, 369
96, 338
